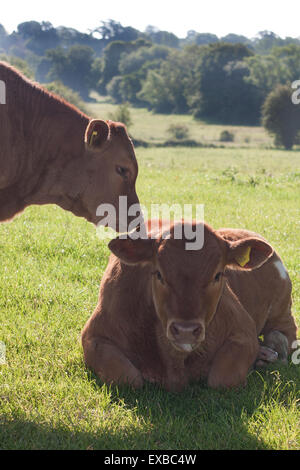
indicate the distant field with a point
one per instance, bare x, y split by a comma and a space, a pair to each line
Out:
51, 266
153, 127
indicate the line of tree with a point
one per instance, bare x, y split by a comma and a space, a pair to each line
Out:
220, 79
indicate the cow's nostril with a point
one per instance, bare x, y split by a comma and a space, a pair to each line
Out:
181, 330
174, 329
197, 331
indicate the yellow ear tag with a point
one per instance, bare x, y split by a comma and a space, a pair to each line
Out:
94, 134
244, 258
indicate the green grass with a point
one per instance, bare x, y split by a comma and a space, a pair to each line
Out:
51, 266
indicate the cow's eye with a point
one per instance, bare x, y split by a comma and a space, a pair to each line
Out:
122, 171
158, 276
218, 277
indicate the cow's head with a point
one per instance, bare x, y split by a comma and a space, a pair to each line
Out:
187, 285
112, 169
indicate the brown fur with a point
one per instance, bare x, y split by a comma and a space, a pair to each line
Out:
44, 158
274, 312
143, 319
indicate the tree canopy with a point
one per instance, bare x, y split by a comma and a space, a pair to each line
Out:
281, 116
223, 79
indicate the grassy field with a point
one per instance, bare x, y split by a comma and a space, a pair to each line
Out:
51, 266
153, 128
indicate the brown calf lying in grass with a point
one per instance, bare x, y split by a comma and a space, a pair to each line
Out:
169, 315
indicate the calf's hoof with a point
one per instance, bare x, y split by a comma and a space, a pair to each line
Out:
265, 356
278, 342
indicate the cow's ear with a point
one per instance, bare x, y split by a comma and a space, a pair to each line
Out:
96, 133
132, 251
249, 253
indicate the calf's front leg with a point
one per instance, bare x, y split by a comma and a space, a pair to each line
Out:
109, 363
231, 364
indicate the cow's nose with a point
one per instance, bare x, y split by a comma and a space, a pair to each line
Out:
184, 331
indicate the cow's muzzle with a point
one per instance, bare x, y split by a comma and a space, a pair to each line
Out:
185, 336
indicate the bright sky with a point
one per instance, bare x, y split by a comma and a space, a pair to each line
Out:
214, 16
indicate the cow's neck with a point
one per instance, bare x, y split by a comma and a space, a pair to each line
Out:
62, 179
54, 170
42, 147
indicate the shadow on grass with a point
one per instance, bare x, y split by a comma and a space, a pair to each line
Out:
198, 418
203, 418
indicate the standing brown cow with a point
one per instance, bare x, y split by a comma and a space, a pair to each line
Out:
51, 153
170, 315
